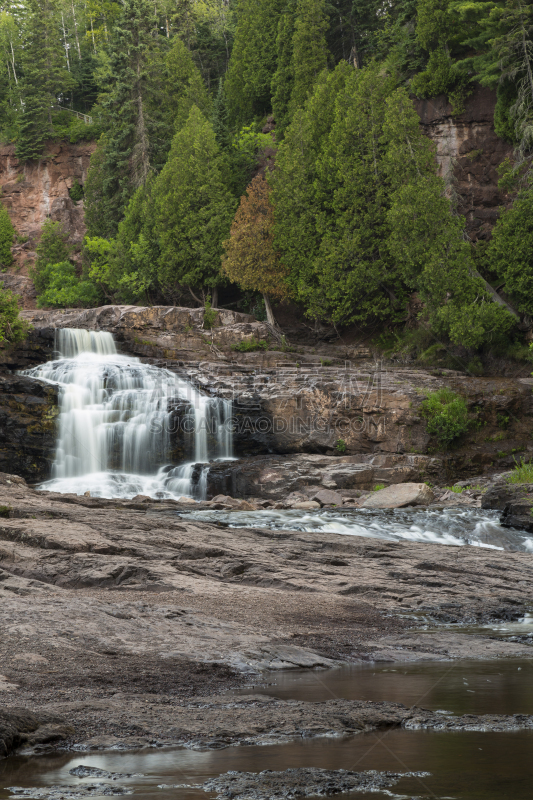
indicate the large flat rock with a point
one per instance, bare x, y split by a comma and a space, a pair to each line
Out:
399, 495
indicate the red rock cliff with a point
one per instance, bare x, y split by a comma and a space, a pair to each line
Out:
469, 153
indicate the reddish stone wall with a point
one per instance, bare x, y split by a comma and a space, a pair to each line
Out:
469, 151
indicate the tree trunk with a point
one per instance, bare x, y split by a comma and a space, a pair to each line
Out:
270, 314
496, 297
214, 297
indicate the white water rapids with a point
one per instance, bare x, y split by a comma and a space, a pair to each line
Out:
115, 420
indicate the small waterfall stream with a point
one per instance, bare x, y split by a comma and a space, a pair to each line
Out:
115, 421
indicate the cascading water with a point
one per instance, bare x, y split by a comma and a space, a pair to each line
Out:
115, 422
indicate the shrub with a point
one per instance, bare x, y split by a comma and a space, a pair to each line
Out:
340, 446
249, 345
65, 290
52, 249
76, 191
523, 472
210, 315
12, 328
7, 233
447, 415
378, 487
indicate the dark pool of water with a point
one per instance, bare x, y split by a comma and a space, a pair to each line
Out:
470, 766
462, 687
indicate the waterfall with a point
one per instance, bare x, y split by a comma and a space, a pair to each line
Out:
115, 423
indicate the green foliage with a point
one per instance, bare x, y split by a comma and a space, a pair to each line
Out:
253, 60
379, 486
455, 489
522, 473
193, 208
7, 234
340, 446
65, 290
210, 314
447, 415
250, 345
502, 420
12, 328
53, 248
309, 49
511, 250
76, 191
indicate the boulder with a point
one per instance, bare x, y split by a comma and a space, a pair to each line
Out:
306, 505
326, 497
400, 494
18, 727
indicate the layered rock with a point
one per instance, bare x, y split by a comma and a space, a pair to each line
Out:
28, 412
19, 727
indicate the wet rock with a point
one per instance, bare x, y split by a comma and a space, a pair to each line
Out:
20, 727
306, 505
301, 782
399, 495
69, 792
82, 771
327, 497
515, 501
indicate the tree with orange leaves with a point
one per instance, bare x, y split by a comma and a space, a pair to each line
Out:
251, 259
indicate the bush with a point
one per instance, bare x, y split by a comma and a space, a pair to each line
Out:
447, 415
52, 249
12, 328
523, 472
76, 191
249, 345
7, 233
65, 290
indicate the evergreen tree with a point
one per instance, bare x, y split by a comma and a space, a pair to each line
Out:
12, 328
251, 259
193, 208
45, 76
253, 60
53, 248
7, 233
184, 87
310, 53
283, 79
510, 252
125, 162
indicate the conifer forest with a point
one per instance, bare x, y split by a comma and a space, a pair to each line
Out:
273, 146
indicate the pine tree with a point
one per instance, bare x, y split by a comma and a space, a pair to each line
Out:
45, 76
193, 208
283, 79
310, 53
253, 60
251, 259
184, 86
7, 233
131, 137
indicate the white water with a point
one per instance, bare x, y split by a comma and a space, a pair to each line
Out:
453, 526
115, 423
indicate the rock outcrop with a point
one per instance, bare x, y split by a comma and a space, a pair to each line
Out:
28, 412
20, 727
400, 495
39, 190
515, 501
469, 152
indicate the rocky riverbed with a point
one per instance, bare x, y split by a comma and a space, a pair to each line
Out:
124, 622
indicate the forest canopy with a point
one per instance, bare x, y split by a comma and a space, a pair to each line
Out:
274, 144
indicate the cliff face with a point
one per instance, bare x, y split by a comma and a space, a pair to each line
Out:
36, 191
469, 153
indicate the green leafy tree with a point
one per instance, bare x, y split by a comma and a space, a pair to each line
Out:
510, 252
193, 208
64, 289
253, 60
426, 240
251, 259
7, 233
310, 53
53, 248
134, 77
12, 328
184, 86
45, 76
283, 78
297, 195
